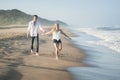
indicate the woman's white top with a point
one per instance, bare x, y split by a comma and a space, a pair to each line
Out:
56, 35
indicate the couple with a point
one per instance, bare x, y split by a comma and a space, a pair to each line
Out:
33, 30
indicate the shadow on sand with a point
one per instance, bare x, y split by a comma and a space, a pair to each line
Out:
11, 75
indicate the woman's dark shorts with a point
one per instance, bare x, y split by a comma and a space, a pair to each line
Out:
57, 41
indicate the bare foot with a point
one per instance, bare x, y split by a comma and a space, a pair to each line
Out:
56, 58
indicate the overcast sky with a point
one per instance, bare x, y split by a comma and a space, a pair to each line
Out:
73, 12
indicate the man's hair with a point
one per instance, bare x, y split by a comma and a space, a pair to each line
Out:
36, 16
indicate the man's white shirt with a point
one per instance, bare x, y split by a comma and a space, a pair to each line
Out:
34, 29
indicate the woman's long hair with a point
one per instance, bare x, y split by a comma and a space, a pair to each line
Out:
54, 27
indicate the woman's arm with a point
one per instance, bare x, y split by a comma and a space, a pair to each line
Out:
65, 34
50, 32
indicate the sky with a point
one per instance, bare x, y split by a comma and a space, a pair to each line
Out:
73, 12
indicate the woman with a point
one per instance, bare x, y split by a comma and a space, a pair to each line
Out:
56, 37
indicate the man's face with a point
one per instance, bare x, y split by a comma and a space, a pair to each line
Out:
34, 18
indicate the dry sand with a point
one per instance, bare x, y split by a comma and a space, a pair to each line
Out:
17, 63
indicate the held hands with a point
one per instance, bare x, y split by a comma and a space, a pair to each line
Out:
47, 33
44, 34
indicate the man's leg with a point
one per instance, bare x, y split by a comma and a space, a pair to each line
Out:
32, 42
37, 45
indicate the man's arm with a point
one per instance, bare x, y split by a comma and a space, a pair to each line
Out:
28, 30
27, 33
41, 29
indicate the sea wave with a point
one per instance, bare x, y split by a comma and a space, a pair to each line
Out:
109, 37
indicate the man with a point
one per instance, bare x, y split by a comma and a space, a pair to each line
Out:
33, 29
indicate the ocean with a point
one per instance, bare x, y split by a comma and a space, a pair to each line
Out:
102, 47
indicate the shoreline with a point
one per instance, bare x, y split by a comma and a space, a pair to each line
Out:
17, 58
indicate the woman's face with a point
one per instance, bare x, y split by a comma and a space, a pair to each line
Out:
56, 26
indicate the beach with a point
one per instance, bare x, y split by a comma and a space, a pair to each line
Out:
17, 63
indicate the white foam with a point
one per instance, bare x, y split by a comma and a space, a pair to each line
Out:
109, 38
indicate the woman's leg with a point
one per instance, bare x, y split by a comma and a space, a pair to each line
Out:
56, 50
60, 46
